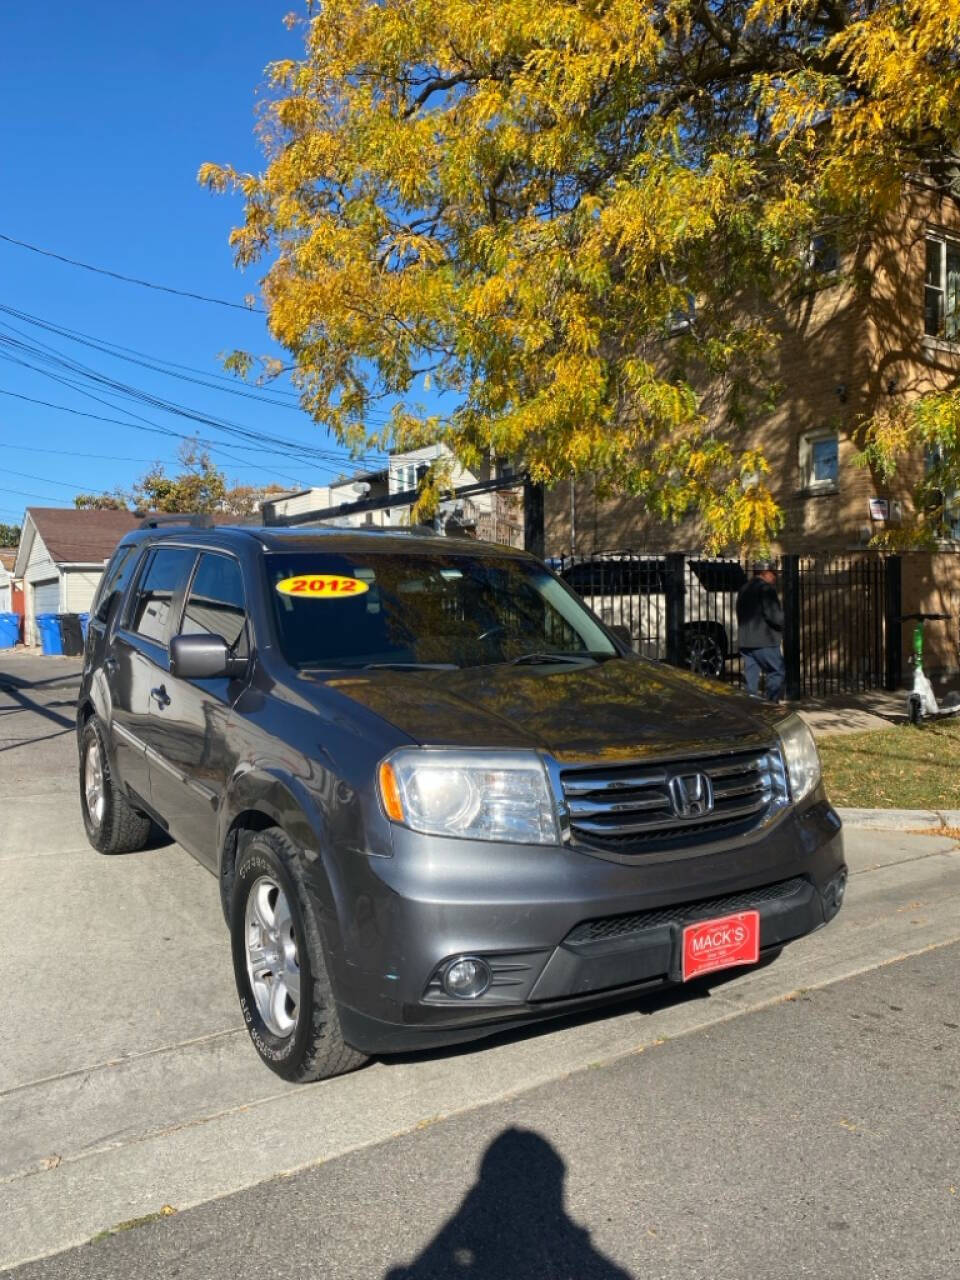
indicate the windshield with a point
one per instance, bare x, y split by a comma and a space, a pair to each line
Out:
369, 608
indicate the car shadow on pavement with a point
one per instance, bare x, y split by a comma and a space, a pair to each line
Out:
512, 1224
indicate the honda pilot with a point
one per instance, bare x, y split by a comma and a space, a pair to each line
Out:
439, 796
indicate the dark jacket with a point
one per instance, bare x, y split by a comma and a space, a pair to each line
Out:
759, 616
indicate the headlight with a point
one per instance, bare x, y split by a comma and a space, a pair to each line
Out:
478, 795
800, 756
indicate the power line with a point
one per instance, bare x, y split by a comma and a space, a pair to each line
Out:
213, 445
145, 284
21, 493
160, 364
49, 356
75, 486
100, 457
155, 364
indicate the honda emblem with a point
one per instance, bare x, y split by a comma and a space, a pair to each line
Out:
691, 795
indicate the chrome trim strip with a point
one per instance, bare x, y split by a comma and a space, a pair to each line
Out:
589, 808
205, 793
155, 757
130, 738
574, 788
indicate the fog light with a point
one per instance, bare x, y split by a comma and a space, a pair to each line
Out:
467, 977
833, 894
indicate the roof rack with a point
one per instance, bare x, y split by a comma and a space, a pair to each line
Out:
193, 519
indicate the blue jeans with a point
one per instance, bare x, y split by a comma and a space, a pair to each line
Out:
770, 662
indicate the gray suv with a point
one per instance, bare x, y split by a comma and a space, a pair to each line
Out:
439, 796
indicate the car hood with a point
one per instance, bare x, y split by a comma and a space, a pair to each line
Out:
616, 710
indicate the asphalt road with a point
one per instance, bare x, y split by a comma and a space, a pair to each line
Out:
816, 1138
792, 1120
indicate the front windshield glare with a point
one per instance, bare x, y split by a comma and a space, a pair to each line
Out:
349, 611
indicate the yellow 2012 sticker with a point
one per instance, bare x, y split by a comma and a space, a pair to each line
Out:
323, 586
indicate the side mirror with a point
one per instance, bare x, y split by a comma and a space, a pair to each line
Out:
203, 658
622, 633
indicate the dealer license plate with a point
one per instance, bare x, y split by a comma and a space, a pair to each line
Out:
720, 944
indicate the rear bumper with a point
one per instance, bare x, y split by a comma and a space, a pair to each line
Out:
561, 930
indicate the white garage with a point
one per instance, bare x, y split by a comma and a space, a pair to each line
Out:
61, 558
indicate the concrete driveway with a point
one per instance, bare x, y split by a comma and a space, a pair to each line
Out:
126, 1081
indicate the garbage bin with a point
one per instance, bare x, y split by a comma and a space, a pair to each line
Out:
9, 630
71, 634
48, 624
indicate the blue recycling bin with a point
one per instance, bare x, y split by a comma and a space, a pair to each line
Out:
9, 630
51, 642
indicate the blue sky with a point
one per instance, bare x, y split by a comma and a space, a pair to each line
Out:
109, 109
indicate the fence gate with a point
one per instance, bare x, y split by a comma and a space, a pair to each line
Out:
841, 628
841, 623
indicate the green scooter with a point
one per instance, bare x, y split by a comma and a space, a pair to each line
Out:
921, 700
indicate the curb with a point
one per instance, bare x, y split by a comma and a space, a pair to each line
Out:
900, 819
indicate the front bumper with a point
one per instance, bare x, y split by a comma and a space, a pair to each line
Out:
560, 929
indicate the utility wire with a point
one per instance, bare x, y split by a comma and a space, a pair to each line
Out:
213, 445
303, 457
99, 457
133, 351
20, 493
145, 284
160, 364
50, 356
76, 486
147, 362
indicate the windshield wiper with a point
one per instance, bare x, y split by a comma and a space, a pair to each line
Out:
532, 659
409, 666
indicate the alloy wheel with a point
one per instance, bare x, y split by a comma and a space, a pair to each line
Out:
93, 789
273, 962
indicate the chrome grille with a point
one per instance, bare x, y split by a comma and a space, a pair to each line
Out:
636, 806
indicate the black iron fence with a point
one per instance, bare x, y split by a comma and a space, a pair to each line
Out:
841, 628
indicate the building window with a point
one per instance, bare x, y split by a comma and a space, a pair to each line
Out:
941, 288
819, 461
940, 498
823, 257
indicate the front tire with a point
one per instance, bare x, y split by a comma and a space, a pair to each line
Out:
705, 651
285, 992
111, 822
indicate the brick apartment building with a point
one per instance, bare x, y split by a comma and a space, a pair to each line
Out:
880, 322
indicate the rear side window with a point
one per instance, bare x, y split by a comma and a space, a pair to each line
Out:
114, 583
164, 576
215, 604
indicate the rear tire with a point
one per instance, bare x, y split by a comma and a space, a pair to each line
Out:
282, 980
111, 822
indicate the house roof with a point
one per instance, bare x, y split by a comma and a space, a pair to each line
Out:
80, 537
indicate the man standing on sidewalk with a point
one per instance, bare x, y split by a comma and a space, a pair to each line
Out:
760, 631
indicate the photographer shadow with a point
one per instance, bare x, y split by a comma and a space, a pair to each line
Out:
513, 1224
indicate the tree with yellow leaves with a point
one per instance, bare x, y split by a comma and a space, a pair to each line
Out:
517, 201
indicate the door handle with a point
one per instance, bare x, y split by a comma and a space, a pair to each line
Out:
161, 696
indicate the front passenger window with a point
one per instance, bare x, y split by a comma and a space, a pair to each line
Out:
215, 604
162, 579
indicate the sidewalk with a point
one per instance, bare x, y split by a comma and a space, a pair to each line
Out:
860, 712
